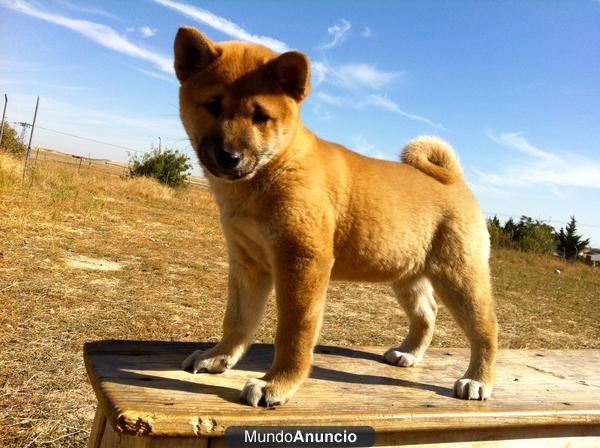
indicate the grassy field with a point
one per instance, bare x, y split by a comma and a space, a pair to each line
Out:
85, 165
85, 256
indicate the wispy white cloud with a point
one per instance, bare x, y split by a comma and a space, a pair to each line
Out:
337, 34
350, 76
358, 81
146, 31
134, 131
480, 188
101, 34
384, 102
35, 82
542, 167
366, 32
155, 75
221, 24
30, 71
319, 72
320, 111
372, 100
363, 146
88, 10
515, 140
365, 75
335, 100
53, 108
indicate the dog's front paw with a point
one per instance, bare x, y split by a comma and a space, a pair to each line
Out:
401, 359
202, 361
258, 392
469, 389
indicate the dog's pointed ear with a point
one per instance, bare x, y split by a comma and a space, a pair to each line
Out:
193, 51
292, 70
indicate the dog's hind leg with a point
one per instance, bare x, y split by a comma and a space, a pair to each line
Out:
466, 292
416, 298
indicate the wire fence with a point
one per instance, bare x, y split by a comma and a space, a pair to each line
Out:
97, 166
108, 167
92, 162
92, 165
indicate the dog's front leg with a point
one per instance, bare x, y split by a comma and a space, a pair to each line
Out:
301, 285
248, 290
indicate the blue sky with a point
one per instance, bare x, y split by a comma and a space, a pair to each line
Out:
513, 86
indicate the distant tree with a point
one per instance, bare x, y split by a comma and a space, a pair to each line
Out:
168, 166
11, 142
569, 243
498, 238
527, 235
510, 229
534, 236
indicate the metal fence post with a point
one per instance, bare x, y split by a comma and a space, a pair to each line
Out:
3, 116
27, 157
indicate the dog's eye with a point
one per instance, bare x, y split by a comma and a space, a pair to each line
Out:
214, 106
260, 117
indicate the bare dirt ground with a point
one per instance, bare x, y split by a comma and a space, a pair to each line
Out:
86, 257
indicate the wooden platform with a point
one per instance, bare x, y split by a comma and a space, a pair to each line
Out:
551, 397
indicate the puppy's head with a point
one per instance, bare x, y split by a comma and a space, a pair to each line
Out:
239, 102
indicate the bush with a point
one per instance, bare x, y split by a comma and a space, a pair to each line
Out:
11, 142
535, 236
527, 235
531, 235
169, 166
498, 237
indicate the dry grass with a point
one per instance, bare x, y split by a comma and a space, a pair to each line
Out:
84, 257
87, 165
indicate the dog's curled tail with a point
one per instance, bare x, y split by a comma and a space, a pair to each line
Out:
434, 157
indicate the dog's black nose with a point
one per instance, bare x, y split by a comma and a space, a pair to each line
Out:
228, 160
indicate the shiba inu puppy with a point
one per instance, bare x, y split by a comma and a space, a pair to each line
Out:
298, 211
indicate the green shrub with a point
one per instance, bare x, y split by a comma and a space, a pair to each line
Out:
498, 237
168, 166
534, 236
11, 142
530, 235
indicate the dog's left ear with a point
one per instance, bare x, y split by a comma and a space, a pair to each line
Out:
193, 52
292, 70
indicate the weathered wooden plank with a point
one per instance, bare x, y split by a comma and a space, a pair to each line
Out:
97, 429
109, 438
143, 390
